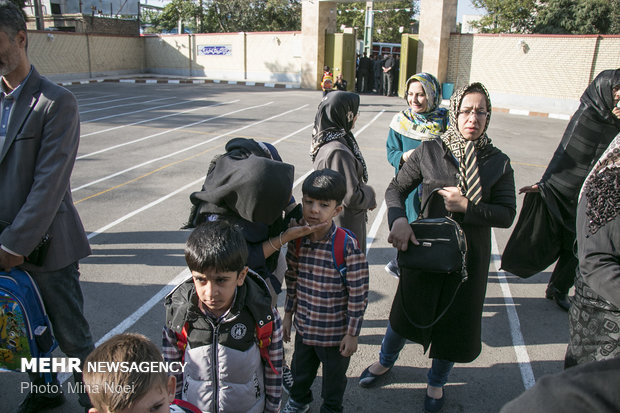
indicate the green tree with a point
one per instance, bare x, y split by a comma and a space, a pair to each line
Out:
252, 16
389, 17
576, 16
549, 16
506, 16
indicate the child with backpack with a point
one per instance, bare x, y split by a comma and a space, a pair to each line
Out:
221, 323
328, 302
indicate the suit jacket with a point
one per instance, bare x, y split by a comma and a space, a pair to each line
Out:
36, 162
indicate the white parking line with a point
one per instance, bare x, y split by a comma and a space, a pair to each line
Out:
131, 113
113, 100
126, 104
189, 148
159, 133
156, 118
518, 343
144, 208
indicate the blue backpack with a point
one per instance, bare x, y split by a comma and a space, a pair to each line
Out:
25, 329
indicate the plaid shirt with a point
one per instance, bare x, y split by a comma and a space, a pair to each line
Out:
325, 309
273, 382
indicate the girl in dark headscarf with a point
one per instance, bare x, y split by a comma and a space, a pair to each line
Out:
334, 147
589, 132
478, 190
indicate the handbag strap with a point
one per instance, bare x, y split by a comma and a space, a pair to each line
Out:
445, 310
433, 192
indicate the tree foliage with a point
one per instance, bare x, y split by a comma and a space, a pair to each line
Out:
221, 16
549, 16
506, 16
389, 17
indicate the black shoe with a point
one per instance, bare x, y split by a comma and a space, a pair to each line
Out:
560, 298
433, 405
34, 402
368, 379
287, 379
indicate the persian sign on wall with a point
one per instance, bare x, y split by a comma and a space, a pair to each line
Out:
215, 50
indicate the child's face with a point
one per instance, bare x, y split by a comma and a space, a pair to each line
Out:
317, 211
156, 400
216, 290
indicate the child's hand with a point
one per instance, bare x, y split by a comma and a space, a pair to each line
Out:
348, 346
287, 322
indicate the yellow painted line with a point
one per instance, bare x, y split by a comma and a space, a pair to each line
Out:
528, 164
145, 175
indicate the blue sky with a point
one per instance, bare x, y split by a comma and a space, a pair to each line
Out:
465, 7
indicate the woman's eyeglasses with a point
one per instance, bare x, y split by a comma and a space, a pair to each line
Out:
479, 113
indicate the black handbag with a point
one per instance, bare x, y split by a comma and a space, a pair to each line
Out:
442, 250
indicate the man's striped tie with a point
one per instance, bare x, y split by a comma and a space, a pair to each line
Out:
469, 170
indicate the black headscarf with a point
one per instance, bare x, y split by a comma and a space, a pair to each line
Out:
333, 121
245, 182
588, 134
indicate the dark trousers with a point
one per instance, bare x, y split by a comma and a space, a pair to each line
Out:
64, 304
305, 364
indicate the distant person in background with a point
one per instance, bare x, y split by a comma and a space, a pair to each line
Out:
377, 67
423, 120
327, 83
388, 75
340, 84
364, 73
334, 147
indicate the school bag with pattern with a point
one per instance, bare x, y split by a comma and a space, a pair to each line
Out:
25, 329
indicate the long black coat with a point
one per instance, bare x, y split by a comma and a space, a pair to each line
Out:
456, 336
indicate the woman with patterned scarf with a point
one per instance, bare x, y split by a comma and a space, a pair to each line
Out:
594, 319
334, 147
423, 120
478, 190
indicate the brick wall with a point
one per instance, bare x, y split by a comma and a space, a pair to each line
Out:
531, 65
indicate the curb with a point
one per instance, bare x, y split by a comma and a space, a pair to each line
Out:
154, 80
180, 81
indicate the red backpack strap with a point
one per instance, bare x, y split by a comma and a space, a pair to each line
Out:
182, 339
339, 249
264, 340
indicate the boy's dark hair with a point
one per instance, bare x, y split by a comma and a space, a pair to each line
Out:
216, 245
325, 185
11, 18
129, 348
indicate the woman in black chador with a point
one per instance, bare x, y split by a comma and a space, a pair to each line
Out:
587, 135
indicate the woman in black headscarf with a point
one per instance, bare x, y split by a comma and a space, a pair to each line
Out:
478, 191
334, 147
593, 126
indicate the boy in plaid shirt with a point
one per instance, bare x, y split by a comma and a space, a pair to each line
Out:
328, 306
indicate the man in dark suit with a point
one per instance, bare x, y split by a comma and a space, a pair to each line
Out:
39, 135
363, 74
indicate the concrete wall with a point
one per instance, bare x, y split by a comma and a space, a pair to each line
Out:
546, 73
261, 57
77, 55
549, 72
